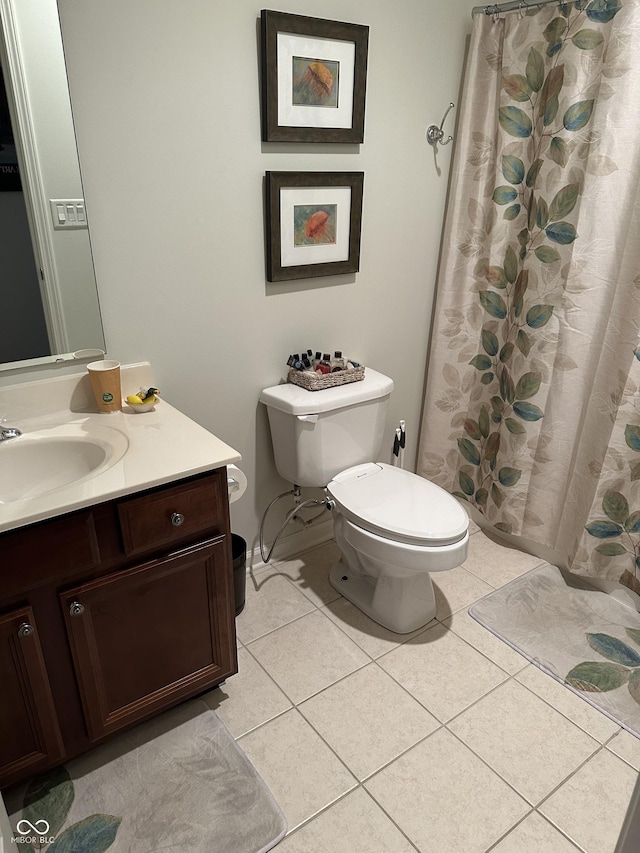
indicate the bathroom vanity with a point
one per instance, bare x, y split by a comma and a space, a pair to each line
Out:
116, 591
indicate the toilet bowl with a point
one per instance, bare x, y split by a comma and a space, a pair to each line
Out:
392, 527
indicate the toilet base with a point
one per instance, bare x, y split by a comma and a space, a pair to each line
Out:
382, 598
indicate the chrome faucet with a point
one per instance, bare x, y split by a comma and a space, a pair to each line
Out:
9, 432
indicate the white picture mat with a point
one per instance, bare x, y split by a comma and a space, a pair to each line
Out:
310, 47
292, 255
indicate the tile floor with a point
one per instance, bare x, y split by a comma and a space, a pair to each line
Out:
440, 741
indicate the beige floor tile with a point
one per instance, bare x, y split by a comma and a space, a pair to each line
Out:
590, 807
355, 824
592, 721
445, 799
485, 642
368, 719
531, 745
442, 671
369, 635
300, 770
310, 572
307, 655
627, 747
457, 589
497, 563
274, 603
247, 699
534, 835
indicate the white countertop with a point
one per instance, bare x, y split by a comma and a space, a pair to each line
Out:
163, 445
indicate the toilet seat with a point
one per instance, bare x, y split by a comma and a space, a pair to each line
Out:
399, 505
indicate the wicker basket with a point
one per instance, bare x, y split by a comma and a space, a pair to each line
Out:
314, 382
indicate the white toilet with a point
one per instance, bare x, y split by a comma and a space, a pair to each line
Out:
392, 527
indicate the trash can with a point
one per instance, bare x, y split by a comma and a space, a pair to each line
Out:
239, 556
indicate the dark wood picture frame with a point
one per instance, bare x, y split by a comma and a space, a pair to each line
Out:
313, 122
336, 234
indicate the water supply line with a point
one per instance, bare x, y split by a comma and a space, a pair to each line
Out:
291, 516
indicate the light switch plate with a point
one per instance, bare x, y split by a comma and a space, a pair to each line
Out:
68, 213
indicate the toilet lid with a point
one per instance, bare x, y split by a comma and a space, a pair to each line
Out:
398, 505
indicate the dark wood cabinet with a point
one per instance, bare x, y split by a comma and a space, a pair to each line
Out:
31, 738
110, 615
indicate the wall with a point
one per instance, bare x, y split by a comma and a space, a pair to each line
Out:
166, 105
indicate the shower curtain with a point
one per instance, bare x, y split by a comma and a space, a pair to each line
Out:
532, 406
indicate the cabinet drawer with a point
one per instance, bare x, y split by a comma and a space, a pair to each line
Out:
48, 550
172, 515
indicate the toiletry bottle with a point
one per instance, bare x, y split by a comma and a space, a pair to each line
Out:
337, 362
317, 359
324, 365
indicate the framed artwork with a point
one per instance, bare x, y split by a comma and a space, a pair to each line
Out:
314, 75
313, 222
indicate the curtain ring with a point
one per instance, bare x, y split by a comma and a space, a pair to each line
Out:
496, 14
521, 7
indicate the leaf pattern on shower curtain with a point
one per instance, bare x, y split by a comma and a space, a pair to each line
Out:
611, 541
520, 285
526, 343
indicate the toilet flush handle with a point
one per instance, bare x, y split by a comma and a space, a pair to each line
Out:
312, 419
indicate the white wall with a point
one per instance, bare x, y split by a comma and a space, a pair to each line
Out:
166, 103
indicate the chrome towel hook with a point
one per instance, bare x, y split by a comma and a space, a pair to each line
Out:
435, 134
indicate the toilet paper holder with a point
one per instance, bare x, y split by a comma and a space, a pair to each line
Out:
236, 483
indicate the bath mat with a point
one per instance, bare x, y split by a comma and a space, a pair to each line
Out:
584, 638
178, 782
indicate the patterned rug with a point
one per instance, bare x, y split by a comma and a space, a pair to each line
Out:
178, 782
582, 637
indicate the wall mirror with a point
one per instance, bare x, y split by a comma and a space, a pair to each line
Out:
49, 303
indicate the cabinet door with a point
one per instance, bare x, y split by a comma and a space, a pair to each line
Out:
145, 638
30, 738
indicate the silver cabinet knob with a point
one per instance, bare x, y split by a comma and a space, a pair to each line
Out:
25, 630
76, 609
177, 518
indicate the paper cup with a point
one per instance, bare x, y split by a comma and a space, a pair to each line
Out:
105, 381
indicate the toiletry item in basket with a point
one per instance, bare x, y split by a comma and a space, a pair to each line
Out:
337, 362
324, 365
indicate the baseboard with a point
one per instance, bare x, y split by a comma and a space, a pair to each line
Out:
289, 546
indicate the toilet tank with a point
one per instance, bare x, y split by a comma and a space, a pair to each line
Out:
317, 434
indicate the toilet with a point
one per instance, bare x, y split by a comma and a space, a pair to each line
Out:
393, 528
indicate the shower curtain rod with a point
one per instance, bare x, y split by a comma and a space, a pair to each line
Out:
496, 8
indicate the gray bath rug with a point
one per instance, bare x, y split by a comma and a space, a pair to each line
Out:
582, 637
174, 784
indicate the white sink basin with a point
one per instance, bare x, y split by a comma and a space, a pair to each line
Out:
46, 460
